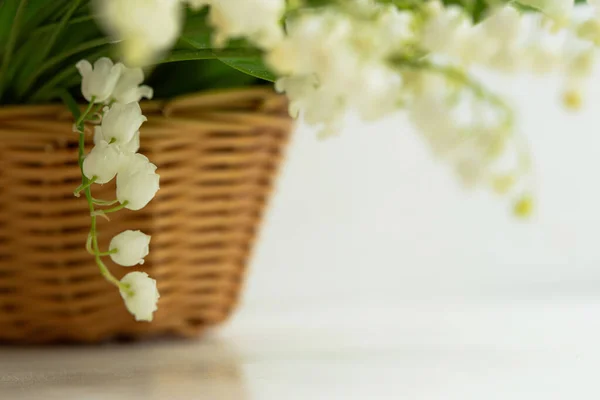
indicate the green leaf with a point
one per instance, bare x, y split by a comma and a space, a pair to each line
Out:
40, 12
251, 65
174, 79
34, 69
53, 61
8, 9
71, 104
208, 54
11, 41
196, 31
51, 26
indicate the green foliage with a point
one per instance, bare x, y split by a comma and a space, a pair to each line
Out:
251, 65
41, 40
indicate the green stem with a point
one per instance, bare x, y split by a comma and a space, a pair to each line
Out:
81, 187
83, 116
114, 209
460, 77
100, 202
88, 193
108, 253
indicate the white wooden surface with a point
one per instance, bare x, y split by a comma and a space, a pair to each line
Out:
377, 278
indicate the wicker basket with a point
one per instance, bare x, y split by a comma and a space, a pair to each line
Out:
217, 154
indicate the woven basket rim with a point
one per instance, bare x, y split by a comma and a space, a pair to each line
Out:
220, 110
202, 99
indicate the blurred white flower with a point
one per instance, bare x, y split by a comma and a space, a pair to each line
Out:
557, 9
129, 248
579, 67
137, 183
140, 295
336, 59
259, 21
146, 28
103, 162
446, 29
128, 87
98, 82
121, 123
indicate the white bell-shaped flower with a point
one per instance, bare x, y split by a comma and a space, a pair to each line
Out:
136, 162
129, 248
145, 28
128, 87
98, 82
140, 295
137, 182
133, 145
103, 162
130, 147
121, 122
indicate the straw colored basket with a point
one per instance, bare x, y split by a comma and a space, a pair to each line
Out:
217, 154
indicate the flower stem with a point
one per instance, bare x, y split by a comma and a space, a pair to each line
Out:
100, 202
108, 253
83, 186
86, 187
116, 208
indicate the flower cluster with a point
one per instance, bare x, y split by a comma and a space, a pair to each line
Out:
148, 28
325, 83
375, 57
114, 92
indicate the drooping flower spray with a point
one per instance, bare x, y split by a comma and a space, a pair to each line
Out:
113, 93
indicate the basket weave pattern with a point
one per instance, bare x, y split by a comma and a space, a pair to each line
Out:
217, 154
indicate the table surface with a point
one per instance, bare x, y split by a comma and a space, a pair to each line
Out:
493, 349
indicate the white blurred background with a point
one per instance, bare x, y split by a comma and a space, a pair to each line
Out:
371, 213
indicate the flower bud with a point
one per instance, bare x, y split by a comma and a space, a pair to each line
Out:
140, 295
129, 248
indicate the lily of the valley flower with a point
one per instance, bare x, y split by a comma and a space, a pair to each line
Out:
128, 148
140, 295
121, 123
136, 162
99, 81
129, 88
129, 248
102, 163
137, 184
116, 142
